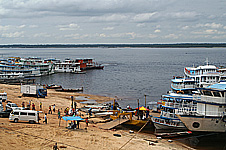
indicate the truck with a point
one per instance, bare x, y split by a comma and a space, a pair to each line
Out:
34, 90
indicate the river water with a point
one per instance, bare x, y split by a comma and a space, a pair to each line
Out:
129, 73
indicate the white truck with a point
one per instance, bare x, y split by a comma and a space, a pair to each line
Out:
34, 90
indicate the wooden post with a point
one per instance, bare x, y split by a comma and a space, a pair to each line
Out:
145, 100
72, 101
138, 109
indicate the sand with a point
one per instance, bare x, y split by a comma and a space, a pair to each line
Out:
25, 136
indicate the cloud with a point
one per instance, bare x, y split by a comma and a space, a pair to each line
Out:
5, 28
71, 26
141, 25
145, 17
157, 31
108, 28
185, 27
171, 36
21, 26
42, 35
110, 18
13, 35
211, 25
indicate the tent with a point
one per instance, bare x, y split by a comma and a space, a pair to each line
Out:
71, 118
142, 108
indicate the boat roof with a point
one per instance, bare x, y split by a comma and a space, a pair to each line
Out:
202, 67
183, 80
218, 86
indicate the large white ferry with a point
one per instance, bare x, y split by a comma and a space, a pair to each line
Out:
203, 75
211, 110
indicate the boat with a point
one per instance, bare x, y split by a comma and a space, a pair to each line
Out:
203, 75
67, 65
53, 86
183, 85
173, 104
69, 90
210, 115
79, 72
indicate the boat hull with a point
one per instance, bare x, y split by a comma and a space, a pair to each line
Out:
204, 124
161, 124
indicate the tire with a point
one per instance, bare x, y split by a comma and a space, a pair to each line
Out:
15, 120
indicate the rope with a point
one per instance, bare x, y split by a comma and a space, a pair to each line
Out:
134, 135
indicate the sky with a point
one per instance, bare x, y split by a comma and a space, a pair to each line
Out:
112, 21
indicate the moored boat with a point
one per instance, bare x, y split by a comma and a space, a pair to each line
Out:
210, 115
70, 90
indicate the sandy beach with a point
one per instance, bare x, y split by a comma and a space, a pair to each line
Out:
22, 135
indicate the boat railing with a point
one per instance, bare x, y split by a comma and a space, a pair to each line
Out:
182, 86
168, 115
178, 105
187, 110
211, 113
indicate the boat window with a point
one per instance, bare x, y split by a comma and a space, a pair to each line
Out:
216, 94
208, 93
196, 125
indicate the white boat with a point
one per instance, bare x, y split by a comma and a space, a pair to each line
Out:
203, 75
67, 65
210, 115
173, 104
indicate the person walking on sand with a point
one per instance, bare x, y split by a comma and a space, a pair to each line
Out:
58, 113
54, 107
87, 122
33, 106
50, 111
23, 105
40, 105
45, 117
55, 147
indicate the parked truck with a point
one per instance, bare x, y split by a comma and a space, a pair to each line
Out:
34, 90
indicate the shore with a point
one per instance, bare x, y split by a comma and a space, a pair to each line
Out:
41, 136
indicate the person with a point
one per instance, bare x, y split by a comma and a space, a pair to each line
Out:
70, 112
40, 105
55, 147
58, 113
50, 111
33, 106
54, 106
87, 122
78, 124
90, 112
29, 105
45, 117
23, 104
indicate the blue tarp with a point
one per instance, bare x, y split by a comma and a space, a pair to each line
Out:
76, 118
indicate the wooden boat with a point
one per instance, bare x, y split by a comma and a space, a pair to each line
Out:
70, 90
53, 86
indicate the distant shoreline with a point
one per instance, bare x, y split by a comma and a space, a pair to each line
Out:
179, 45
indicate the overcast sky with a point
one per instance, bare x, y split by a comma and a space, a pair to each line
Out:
112, 21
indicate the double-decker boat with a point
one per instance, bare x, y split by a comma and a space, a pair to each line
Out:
210, 115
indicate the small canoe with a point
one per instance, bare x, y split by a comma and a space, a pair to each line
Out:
70, 90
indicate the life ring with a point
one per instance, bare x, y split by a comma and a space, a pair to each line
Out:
224, 119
